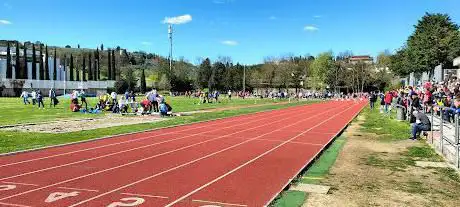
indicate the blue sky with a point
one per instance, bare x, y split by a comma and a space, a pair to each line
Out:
246, 30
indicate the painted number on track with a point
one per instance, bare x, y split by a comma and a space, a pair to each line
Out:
59, 195
133, 201
7, 187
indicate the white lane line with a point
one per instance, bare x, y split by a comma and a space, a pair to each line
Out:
15, 183
144, 195
118, 143
129, 150
252, 160
193, 161
220, 203
134, 162
79, 189
276, 140
11, 204
317, 154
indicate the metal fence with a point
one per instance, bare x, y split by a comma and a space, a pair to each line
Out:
449, 134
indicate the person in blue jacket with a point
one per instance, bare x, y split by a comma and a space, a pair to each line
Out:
163, 108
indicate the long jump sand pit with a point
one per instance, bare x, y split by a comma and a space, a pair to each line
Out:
65, 126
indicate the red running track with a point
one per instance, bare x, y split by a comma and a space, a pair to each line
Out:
238, 161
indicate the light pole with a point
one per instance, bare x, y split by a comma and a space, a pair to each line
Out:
170, 34
244, 79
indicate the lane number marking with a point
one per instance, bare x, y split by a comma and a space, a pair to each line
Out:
135, 202
59, 195
7, 187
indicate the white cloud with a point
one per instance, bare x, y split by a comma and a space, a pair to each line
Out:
178, 20
272, 18
310, 28
317, 16
230, 42
146, 43
5, 22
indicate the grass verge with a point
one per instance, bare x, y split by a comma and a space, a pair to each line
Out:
11, 141
387, 128
312, 175
15, 112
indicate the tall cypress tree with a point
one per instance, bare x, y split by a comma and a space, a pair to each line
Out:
47, 65
114, 69
17, 64
34, 63
54, 66
9, 67
42, 67
71, 68
143, 83
83, 70
98, 63
64, 67
95, 68
25, 70
109, 65
77, 72
90, 69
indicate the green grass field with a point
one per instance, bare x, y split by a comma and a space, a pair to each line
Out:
11, 141
15, 112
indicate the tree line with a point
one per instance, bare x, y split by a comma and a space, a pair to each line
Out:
435, 41
84, 66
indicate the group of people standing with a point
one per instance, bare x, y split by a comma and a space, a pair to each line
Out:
155, 103
38, 99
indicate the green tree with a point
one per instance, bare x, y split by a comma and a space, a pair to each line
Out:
130, 79
55, 65
83, 69
77, 72
9, 67
17, 64
321, 68
115, 74
71, 69
47, 66
433, 42
205, 73
109, 65
24, 71
34, 63
42, 67
98, 63
90, 69
143, 83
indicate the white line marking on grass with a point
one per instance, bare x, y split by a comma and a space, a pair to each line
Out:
253, 160
144, 195
15, 183
134, 162
132, 149
193, 161
221, 203
80, 189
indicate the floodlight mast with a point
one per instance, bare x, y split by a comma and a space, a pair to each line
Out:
170, 33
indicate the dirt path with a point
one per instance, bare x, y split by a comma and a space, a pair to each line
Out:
369, 172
